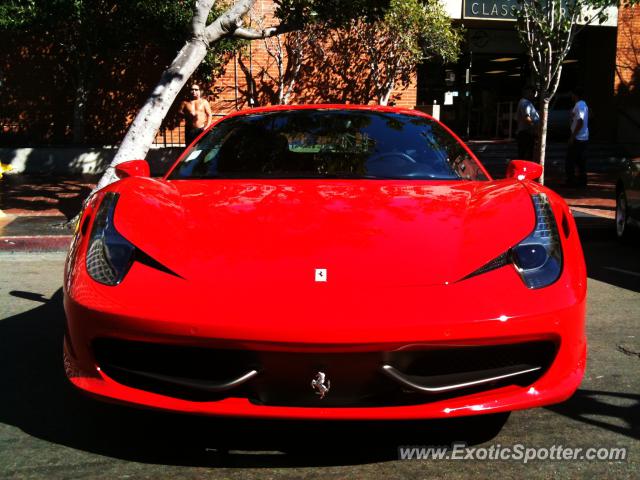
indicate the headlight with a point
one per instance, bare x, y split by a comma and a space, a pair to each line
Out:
537, 258
109, 255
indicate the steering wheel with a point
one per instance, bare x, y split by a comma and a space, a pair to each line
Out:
384, 155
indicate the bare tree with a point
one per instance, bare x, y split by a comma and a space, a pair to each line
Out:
275, 82
288, 54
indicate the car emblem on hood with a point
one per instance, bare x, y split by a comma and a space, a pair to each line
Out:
321, 274
318, 384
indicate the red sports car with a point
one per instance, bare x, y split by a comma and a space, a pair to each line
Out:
334, 262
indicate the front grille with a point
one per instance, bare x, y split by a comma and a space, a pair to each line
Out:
284, 377
119, 358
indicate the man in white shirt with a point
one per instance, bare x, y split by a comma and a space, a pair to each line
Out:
576, 152
528, 118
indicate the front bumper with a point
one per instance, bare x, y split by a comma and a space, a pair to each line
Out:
558, 380
329, 322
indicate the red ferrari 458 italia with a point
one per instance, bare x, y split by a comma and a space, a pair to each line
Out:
327, 262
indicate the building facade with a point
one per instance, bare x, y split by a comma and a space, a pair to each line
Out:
479, 94
476, 95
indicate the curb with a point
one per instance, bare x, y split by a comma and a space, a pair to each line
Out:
43, 243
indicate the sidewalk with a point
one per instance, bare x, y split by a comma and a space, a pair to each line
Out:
35, 208
598, 199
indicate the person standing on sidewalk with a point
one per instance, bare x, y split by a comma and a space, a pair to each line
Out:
578, 140
528, 119
197, 114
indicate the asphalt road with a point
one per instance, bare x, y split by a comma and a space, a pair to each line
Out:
48, 431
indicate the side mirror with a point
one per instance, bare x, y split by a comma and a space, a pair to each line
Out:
133, 168
523, 169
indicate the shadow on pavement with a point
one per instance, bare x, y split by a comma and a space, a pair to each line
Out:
35, 194
595, 407
38, 399
609, 260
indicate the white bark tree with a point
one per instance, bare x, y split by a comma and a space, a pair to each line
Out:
142, 131
547, 29
288, 55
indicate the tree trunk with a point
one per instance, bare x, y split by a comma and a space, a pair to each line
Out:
250, 81
542, 135
383, 99
142, 131
385, 94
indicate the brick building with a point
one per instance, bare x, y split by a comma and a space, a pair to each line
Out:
627, 75
254, 62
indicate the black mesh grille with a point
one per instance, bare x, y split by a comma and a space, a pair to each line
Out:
285, 377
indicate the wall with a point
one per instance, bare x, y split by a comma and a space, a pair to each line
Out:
627, 77
64, 161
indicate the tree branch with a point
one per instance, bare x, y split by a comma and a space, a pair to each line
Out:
251, 34
230, 24
200, 14
229, 21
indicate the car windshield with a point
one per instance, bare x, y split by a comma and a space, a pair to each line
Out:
326, 143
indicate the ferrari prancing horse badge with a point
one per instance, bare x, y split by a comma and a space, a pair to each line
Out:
319, 385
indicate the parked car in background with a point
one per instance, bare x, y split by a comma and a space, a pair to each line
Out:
628, 198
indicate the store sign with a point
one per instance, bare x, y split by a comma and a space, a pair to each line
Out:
505, 10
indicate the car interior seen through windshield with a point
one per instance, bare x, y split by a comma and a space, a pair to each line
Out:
328, 143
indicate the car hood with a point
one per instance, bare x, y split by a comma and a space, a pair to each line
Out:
252, 234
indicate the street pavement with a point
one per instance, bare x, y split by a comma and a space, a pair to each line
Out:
47, 430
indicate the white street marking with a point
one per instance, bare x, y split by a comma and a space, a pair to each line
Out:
628, 272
